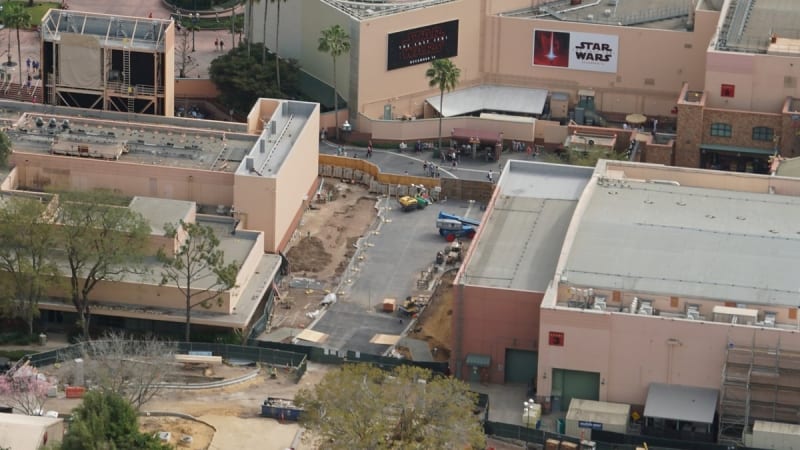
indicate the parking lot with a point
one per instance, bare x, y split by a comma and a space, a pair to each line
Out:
388, 265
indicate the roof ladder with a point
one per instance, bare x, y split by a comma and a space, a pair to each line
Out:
126, 80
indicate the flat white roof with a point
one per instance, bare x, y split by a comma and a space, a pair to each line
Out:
491, 98
684, 403
160, 211
600, 412
21, 432
522, 234
689, 242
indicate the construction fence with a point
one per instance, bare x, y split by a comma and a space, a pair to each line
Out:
364, 172
328, 356
275, 357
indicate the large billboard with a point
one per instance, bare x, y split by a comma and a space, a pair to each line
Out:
423, 44
574, 50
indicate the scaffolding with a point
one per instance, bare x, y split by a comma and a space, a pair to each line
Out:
124, 46
759, 382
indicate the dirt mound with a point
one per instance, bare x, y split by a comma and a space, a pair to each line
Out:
309, 255
434, 324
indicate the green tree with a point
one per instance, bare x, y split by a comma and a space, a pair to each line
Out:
198, 268
104, 421
242, 81
361, 406
101, 241
277, 43
442, 74
27, 237
16, 16
335, 42
5, 149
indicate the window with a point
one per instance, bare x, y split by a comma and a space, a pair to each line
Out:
727, 90
556, 338
763, 133
674, 302
721, 129
793, 313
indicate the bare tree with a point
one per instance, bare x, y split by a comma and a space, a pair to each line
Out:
183, 54
135, 369
24, 389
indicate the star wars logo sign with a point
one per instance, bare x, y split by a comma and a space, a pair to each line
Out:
422, 45
593, 51
575, 50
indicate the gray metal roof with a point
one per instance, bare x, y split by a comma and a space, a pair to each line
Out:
134, 32
366, 9
688, 242
661, 14
684, 403
491, 98
523, 232
748, 25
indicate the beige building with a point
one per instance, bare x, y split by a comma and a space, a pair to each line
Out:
21, 432
719, 75
664, 276
250, 182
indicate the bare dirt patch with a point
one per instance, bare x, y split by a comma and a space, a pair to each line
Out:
434, 324
322, 249
201, 434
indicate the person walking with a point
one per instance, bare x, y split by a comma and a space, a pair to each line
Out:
490, 176
216, 44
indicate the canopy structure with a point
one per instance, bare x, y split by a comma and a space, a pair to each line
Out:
683, 403
491, 98
468, 134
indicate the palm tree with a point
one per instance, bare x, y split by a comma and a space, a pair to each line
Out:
16, 16
334, 41
444, 75
248, 20
277, 39
264, 47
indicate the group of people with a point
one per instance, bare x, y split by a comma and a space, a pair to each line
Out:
219, 45
430, 169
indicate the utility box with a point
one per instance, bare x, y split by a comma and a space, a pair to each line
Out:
389, 304
559, 105
774, 435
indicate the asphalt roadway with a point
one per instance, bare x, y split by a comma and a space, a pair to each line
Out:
398, 248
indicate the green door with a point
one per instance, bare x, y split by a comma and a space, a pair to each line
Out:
521, 366
575, 384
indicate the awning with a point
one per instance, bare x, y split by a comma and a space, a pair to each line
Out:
684, 403
491, 98
478, 360
736, 149
465, 134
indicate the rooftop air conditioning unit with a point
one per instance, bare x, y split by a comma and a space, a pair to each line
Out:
607, 12
590, 17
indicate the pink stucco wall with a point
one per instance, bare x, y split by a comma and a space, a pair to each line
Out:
631, 351
494, 320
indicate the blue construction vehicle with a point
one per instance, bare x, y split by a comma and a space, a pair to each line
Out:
452, 226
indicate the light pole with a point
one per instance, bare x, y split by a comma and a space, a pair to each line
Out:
195, 18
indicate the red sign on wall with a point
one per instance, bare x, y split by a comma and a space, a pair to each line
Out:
727, 90
556, 338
